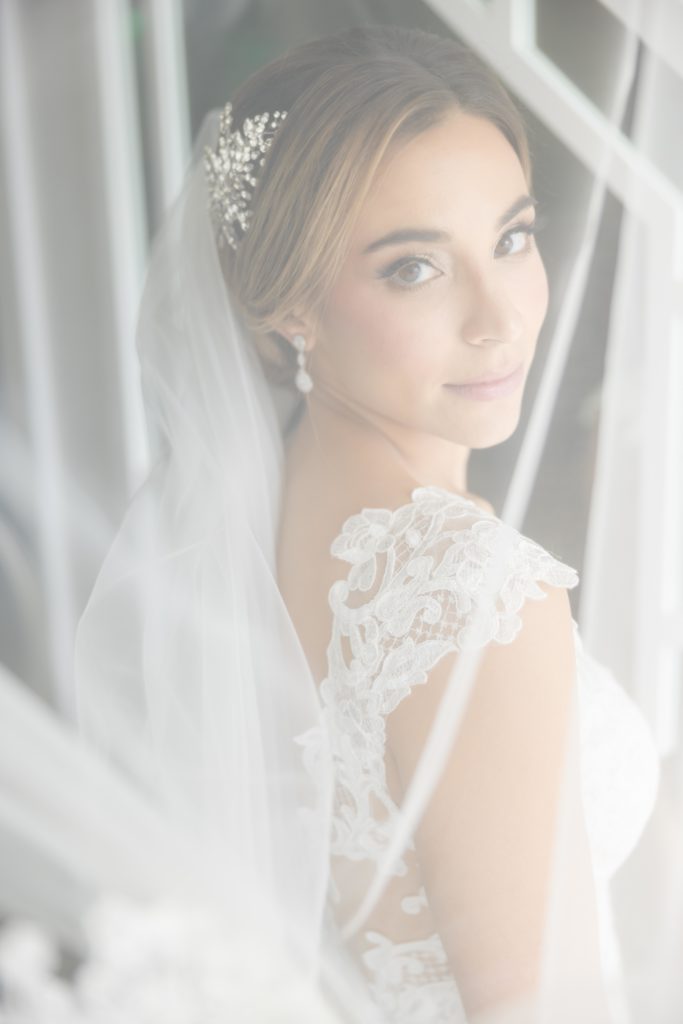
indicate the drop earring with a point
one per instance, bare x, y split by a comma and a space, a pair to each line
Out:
303, 380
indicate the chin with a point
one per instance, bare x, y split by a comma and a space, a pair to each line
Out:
487, 435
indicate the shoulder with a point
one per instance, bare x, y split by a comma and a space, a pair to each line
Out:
439, 523
482, 503
474, 583
441, 557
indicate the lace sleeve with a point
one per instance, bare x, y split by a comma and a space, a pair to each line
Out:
425, 580
417, 588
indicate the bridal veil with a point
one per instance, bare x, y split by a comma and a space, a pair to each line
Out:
188, 784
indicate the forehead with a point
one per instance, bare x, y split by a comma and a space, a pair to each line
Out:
459, 170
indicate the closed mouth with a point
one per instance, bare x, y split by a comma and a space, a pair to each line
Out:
487, 380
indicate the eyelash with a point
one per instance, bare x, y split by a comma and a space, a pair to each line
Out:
529, 229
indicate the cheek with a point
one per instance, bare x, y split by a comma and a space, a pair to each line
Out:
384, 339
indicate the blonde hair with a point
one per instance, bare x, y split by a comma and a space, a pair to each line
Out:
348, 98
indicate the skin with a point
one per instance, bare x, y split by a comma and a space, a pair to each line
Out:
454, 310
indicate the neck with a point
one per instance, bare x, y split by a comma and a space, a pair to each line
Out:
338, 439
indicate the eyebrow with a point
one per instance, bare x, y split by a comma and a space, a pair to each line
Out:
433, 235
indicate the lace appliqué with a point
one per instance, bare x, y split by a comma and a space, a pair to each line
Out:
420, 585
427, 570
412, 981
416, 589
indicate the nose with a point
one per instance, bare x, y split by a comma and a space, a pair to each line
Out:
488, 311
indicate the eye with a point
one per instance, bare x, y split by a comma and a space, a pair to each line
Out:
518, 239
409, 273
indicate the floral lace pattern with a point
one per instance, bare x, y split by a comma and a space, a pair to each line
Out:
421, 583
412, 980
427, 562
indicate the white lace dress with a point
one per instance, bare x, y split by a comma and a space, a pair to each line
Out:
408, 598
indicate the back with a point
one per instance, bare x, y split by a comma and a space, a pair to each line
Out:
468, 894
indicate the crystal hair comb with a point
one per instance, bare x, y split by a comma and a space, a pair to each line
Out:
232, 167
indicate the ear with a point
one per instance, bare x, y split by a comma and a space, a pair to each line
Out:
298, 324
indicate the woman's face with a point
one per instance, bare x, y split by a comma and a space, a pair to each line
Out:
442, 285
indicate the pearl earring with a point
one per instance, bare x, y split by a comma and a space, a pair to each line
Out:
303, 380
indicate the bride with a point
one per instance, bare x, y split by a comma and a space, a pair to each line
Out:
400, 180
357, 695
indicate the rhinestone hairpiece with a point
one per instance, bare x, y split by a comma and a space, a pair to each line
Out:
232, 167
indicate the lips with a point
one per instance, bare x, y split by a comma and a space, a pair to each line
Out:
496, 387
492, 379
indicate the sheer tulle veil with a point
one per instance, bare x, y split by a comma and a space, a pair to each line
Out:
193, 693
189, 672
189, 676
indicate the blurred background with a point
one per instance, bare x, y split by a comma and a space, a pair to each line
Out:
100, 102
